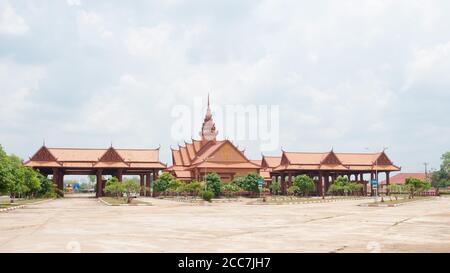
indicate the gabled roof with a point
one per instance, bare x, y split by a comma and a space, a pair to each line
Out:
332, 161
257, 162
84, 158
270, 161
205, 151
401, 177
304, 158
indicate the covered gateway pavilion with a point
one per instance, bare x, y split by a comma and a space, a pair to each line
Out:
115, 162
324, 168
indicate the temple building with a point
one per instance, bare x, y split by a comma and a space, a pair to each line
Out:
208, 155
100, 162
325, 167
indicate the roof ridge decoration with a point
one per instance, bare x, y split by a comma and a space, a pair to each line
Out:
111, 155
383, 159
331, 159
43, 154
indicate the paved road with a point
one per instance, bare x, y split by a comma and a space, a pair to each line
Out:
85, 225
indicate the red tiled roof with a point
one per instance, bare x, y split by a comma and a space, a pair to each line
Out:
89, 158
271, 161
401, 177
335, 161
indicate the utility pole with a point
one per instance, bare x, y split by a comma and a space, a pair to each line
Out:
426, 169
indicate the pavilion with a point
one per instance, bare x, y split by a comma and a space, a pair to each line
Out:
325, 167
81, 161
209, 155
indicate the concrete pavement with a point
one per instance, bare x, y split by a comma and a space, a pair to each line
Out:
85, 225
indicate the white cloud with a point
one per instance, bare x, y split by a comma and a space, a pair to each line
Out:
430, 68
11, 23
91, 27
16, 92
335, 68
149, 41
72, 3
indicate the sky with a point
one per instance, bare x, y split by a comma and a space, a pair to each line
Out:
352, 75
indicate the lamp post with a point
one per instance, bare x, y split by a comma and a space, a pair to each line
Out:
376, 176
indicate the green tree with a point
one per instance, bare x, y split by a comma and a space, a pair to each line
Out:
175, 185
249, 182
213, 183
162, 183
114, 187
17, 187
304, 184
275, 187
31, 181
415, 186
355, 187
230, 189
396, 190
6, 178
441, 178
342, 186
130, 188
239, 181
445, 162
47, 189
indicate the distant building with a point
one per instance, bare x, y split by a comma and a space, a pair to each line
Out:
401, 177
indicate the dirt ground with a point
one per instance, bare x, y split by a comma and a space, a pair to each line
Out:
86, 225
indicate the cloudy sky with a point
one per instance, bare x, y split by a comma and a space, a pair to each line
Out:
346, 74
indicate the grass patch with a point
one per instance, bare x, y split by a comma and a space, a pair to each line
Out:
279, 200
121, 201
20, 202
401, 201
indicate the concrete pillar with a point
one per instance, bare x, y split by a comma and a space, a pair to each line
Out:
372, 176
120, 175
283, 184
327, 182
142, 182
388, 182
321, 185
99, 184
55, 176
148, 184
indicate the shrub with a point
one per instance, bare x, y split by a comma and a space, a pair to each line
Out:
129, 188
248, 182
162, 183
304, 184
230, 189
213, 183
194, 187
342, 186
275, 187
174, 185
207, 195
415, 185
293, 190
113, 187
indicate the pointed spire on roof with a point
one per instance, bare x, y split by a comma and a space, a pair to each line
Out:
43, 143
208, 132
